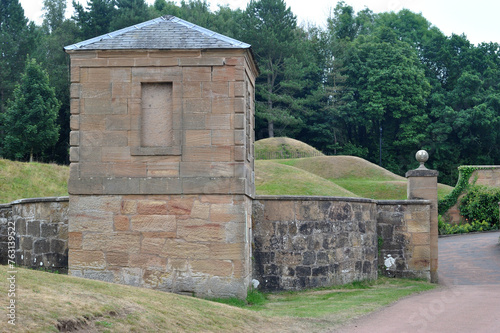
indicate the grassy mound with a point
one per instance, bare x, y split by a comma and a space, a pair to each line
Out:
345, 167
31, 180
276, 148
272, 178
356, 175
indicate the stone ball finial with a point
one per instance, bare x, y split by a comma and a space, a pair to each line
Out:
422, 156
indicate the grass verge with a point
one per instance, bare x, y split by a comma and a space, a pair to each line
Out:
20, 180
46, 301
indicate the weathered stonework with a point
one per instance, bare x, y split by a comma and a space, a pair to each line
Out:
305, 242
403, 228
41, 226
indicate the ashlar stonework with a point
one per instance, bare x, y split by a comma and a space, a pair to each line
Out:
162, 169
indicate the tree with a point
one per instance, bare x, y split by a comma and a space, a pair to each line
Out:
95, 20
128, 13
30, 122
14, 43
54, 13
386, 87
271, 28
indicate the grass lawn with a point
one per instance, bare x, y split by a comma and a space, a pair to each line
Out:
46, 300
31, 180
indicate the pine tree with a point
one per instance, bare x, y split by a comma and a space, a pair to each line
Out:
30, 122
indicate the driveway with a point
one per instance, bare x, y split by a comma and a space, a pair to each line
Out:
468, 299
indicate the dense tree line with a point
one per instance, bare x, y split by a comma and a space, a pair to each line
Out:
366, 81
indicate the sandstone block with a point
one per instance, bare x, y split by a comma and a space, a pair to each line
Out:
206, 169
215, 89
220, 213
74, 123
197, 105
118, 123
239, 105
152, 245
206, 232
191, 89
86, 259
203, 61
222, 137
151, 207
208, 154
197, 74
163, 169
211, 267
180, 205
92, 123
116, 154
165, 223
112, 242
197, 138
239, 121
74, 240
74, 106
218, 121
224, 251
222, 105
117, 258
121, 223
128, 207
180, 249
74, 154
227, 73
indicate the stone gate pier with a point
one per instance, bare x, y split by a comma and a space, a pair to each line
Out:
162, 161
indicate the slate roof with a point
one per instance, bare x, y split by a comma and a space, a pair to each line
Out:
164, 33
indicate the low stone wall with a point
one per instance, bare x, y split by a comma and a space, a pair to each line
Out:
298, 242
41, 232
306, 242
403, 228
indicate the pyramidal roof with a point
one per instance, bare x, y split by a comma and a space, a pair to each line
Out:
164, 33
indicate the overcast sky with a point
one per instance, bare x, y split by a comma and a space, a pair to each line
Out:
478, 19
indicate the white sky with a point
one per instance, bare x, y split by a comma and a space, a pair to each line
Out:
477, 20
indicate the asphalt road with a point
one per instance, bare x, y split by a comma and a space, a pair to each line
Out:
468, 299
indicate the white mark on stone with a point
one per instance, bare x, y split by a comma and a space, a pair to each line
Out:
389, 261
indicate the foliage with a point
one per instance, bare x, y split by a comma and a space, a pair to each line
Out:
465, 172
445, 228
331, 87
30, 121
16, 38
481, 204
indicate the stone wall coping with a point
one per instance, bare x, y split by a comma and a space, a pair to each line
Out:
7, 205
312, 198
36, 200
404, 202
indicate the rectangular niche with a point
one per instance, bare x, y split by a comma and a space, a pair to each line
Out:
156, 133
156, 117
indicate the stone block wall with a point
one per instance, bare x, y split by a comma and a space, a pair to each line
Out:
489, 176
304, 242
41, 232
206, 104
161, 174
403, 228
193, 244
